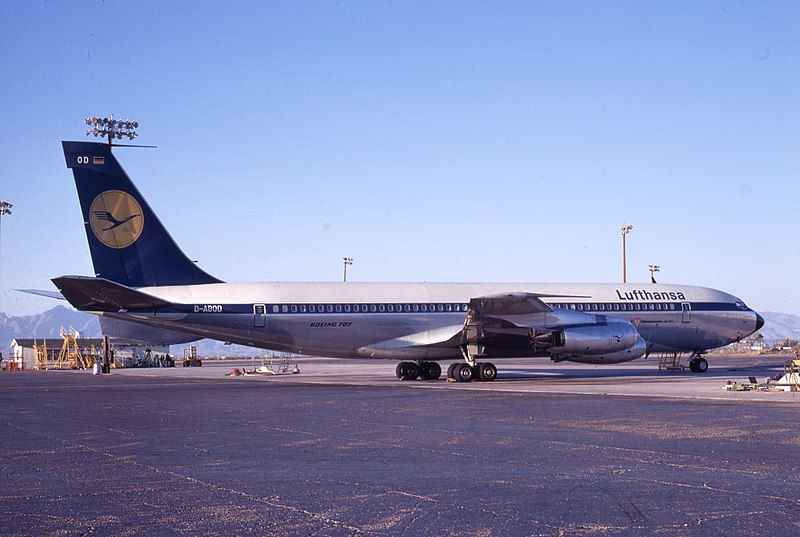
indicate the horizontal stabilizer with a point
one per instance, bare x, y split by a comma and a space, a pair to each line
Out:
99, 294
39, 292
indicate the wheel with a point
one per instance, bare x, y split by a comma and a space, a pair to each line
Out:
430, 370
487, 372
701, 365
399, 370
451, 369
409, 371
462, 373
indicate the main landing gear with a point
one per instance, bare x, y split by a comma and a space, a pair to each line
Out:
458, 371
422, 369
463, 372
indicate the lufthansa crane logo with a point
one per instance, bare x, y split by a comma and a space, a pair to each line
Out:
116, 219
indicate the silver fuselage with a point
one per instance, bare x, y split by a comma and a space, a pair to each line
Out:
357, 320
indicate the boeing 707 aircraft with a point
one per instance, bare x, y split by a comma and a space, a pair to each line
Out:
145, 288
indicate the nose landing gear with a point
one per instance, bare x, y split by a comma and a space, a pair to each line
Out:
698, 364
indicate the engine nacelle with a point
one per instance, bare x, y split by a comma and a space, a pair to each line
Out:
632, 353
613, 339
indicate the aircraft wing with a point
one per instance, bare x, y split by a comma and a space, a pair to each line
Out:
99, 294
507, 313
508, 304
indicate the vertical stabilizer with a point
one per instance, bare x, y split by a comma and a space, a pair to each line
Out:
128, 243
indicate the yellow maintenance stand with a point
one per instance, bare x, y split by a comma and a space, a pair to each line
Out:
70, 356
41, 355
791, 374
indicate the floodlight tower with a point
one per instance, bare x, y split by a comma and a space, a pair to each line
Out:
654, 269
5, 208
347, 261
625, 230
111, 128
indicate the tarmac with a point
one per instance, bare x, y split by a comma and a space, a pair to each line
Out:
344, 448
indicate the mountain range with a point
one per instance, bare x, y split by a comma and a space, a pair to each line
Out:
777, 327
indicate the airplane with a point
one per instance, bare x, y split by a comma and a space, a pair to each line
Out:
146, 288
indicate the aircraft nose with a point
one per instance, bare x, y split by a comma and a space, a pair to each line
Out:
759, 322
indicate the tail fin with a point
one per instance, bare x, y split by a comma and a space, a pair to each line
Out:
128, 243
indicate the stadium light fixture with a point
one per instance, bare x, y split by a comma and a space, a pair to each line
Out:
654, 269
111, 128
347, 261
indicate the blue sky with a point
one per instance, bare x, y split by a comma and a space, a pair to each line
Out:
430, 141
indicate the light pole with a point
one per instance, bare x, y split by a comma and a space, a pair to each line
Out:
347, 261
625, 230
5, 208
653, 269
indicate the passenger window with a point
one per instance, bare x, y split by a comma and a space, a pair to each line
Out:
330, 308
373, 308
285, 308
338, 308
382, 308
312, 308
275, 309
347, 308
294, 308
302, 308
415, 307
448, 307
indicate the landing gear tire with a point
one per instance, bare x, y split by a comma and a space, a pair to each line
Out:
450, 370
407, 371
698, 365
487, 372
430, 370
462, 373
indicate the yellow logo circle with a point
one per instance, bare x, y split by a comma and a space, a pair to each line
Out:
116, 219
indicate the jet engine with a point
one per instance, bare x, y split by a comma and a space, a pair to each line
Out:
612, 342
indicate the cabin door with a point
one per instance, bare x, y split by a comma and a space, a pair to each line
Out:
259, 315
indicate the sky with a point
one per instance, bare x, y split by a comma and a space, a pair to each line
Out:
429, 141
